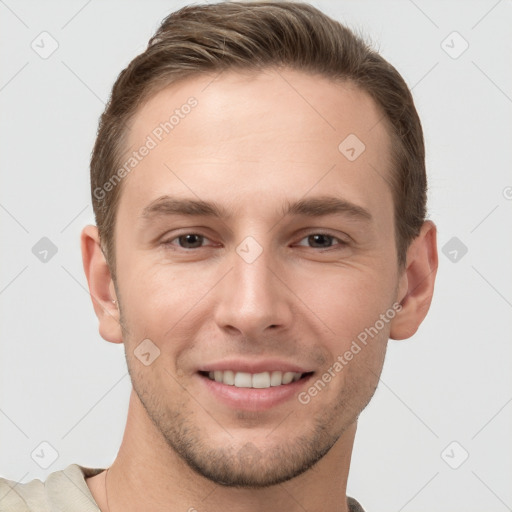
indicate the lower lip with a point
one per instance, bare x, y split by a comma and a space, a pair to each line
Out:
252, 399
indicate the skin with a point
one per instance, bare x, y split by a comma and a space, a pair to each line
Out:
251, 144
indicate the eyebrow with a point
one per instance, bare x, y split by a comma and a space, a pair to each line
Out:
311, 207
327, 205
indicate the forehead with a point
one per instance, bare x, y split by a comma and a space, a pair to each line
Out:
235, 135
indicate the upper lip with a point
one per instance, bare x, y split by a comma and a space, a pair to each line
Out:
240, 365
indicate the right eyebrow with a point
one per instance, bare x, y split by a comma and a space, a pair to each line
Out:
167, 205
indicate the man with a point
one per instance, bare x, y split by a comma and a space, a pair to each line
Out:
259, 188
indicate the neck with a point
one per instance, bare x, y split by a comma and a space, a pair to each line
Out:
148, 474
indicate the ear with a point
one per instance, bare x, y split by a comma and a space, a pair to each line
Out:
101, 286
416, 284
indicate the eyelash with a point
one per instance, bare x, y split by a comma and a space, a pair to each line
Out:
341, 243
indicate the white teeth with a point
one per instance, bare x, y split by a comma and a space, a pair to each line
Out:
254, 380
276, 378
287, 377
229, 377
261, 380
243, 380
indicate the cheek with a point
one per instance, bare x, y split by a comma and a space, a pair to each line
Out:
162, 299
347, 300
350, 303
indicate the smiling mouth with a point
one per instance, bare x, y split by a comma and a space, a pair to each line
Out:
261, 380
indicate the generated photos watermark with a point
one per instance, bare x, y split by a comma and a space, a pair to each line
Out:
152, 140
342, 360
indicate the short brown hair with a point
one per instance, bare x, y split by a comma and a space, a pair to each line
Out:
250, 36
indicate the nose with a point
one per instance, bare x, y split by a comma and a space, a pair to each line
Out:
252, 300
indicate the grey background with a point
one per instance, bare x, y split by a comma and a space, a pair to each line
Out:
60, 383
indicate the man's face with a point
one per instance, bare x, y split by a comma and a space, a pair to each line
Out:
256, 286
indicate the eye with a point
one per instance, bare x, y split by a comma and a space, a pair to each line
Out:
187, 241
322, 241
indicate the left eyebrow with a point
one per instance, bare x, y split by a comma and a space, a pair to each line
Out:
327, 205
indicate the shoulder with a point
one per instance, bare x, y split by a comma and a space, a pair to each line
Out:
65, 488
18, 497
354, 505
